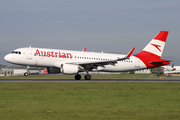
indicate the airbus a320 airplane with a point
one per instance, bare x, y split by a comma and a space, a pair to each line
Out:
74, 62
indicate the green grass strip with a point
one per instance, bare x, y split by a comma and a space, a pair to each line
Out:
89, 101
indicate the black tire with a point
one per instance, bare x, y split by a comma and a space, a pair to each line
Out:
25, 74
87, 77
78, 77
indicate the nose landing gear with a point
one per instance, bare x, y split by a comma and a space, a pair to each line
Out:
27, 69
26, 74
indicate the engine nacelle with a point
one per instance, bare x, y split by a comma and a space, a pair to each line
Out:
69, 69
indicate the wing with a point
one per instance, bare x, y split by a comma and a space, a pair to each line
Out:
95, 64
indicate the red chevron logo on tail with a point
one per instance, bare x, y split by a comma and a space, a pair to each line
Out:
157, 46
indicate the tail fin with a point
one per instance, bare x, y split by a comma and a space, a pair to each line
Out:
155, 48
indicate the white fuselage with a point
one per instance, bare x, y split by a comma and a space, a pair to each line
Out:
42, 57
73, 62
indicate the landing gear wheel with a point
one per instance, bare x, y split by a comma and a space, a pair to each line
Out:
77, 77
25, 74
87, 77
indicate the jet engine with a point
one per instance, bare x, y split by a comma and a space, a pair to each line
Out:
69, 69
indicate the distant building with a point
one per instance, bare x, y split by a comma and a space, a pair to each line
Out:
18, 72
6, 72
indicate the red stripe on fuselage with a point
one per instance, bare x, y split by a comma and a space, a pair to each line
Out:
147, 57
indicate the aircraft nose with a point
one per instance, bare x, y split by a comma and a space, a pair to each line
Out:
7, 58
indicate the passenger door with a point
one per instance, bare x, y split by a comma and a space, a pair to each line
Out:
29, 53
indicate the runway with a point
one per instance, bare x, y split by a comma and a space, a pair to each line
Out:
86, 81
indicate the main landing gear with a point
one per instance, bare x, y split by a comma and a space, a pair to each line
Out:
86, 77
77, 77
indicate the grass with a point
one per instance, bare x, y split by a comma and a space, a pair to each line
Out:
89, 101
93, 77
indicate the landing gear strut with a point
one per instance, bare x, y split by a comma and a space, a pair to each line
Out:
77, 77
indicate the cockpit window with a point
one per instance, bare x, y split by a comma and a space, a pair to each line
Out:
15, 52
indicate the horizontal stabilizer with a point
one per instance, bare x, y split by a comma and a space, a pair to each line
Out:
160, 61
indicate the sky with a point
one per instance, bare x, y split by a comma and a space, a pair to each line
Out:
112, 26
